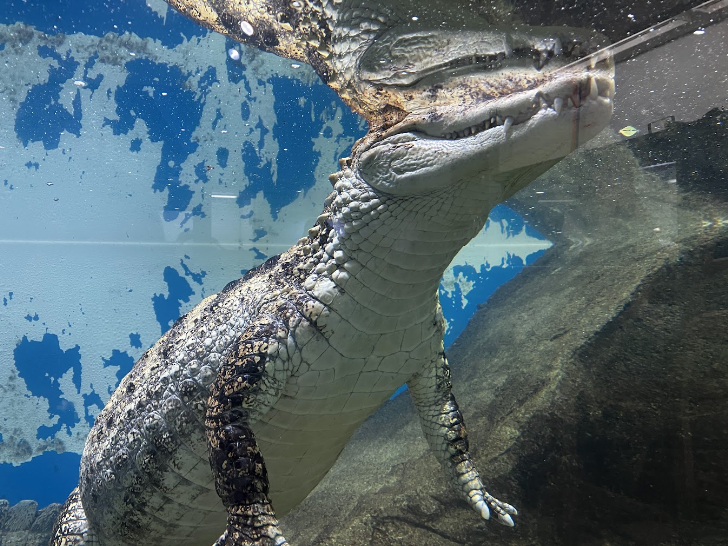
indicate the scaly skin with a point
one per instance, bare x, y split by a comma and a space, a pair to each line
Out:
238, 411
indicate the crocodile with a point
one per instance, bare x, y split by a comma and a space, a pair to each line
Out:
248, 400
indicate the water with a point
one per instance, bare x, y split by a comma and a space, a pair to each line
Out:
143, 166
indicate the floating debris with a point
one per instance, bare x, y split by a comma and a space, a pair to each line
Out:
247, 28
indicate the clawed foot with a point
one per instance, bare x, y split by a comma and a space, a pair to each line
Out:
276, 540
252, 525
483, 503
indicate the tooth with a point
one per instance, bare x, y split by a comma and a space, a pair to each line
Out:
593, 88
558, 104
575, 98
558, 47
610, 89
570, 103
507, 49
597, 58
499, 120
507, 123
543, 59
543, 103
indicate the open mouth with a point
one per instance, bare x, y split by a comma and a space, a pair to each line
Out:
565, 95
592, 89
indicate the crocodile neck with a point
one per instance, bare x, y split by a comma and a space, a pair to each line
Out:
388, 253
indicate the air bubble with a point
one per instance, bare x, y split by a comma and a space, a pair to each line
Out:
247, 28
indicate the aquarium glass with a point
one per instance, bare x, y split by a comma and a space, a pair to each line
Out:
145, 162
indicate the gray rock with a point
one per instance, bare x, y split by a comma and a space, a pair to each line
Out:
46, 519
4, 507
20, 517
24, 525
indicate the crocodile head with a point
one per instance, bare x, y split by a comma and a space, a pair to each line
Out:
449, 95
448, 106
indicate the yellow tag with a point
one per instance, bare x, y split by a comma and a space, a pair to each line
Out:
628, 131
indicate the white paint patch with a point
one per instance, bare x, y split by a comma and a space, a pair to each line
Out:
159, 7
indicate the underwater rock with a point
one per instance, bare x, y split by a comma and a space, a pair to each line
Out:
20, 517
594, 383
24, 525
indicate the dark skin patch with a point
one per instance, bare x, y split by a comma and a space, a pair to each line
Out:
241, 478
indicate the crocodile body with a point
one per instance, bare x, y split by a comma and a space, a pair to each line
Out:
247, 401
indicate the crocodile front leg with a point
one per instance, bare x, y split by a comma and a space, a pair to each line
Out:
71, 529
444, 429
247, 385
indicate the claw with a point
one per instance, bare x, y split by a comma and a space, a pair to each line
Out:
508, 508
505, 519
482, 507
